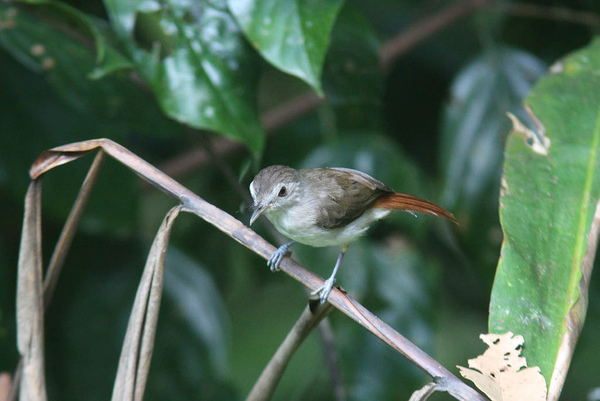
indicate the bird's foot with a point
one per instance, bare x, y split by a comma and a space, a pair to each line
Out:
324, 290
275, 259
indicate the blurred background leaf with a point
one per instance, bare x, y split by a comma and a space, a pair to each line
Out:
474, 129
402, 292
538, 287
430, 121
352, 77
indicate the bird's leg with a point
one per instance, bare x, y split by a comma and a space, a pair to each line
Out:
325, 289
281, 252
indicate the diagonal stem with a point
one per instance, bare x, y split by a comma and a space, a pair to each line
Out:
68, 232
309, 319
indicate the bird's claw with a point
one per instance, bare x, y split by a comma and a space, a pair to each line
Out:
324, 290
277, 256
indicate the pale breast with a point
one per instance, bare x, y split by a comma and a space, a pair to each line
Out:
300, 226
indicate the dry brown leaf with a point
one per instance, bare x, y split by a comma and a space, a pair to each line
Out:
502, 374
134, 364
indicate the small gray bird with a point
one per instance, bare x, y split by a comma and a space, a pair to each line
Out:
325, 207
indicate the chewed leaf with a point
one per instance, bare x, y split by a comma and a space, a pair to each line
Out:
538, 142
548, 210
502, 374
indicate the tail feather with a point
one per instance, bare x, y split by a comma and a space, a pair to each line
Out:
410, 203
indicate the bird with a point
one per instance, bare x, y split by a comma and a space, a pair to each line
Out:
331, 206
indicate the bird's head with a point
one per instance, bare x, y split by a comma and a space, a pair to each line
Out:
274, 187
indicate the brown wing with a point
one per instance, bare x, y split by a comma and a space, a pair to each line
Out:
363, 179
350, 193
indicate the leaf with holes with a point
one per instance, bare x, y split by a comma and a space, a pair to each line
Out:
550, 217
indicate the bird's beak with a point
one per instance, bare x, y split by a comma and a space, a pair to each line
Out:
259, 210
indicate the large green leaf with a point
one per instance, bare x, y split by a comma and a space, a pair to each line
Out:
550, 194
196, 61
293, 35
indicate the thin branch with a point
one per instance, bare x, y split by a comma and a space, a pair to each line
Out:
280, 116
561, 14
247, 237
189, 161
427, 27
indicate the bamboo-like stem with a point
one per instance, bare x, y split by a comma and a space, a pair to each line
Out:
309, 319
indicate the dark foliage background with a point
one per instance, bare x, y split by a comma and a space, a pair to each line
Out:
427, 119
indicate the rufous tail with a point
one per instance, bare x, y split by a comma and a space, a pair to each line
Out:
410, 203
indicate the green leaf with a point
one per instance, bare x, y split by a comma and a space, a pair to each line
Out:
61, 105
550, 194
196, 61
107, 56
47, 49
293, 35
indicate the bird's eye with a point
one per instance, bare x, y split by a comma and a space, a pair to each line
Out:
282, 192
